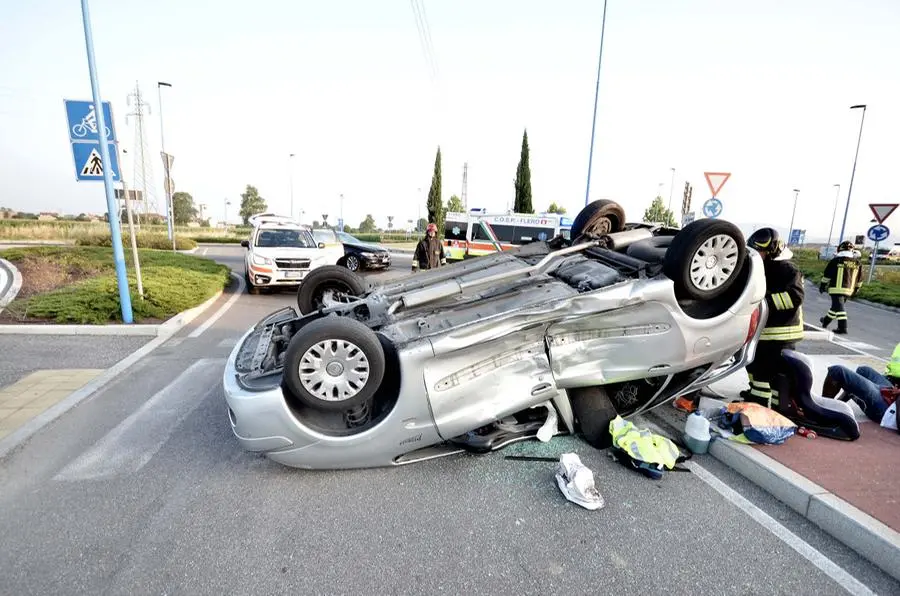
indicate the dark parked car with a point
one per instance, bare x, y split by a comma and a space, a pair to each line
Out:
363, 255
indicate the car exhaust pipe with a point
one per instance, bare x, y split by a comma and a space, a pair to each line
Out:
619, 240
454, 287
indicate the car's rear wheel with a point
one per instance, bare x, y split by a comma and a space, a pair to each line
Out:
352, 262
327, 286
705, 258
593, 412
334, 364
599, 218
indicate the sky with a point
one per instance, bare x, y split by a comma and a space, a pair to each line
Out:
759, 89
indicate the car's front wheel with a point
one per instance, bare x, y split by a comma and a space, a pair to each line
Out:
352, 262
334, 364
599, 218
705, 258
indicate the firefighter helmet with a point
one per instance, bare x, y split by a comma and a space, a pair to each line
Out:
768, 241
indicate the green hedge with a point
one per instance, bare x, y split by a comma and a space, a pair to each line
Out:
144, 240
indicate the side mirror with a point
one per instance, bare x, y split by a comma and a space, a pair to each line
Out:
245, 243
321, 245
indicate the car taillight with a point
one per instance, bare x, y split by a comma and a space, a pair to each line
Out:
754, 323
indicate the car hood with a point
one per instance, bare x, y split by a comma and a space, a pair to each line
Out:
366, 246
282, 252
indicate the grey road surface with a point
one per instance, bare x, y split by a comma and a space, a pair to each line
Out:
142, 489
872, 329
21, 355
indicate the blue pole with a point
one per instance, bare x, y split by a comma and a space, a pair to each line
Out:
587, 192
118, 253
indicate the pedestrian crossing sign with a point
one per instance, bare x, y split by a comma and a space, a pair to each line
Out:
89, 163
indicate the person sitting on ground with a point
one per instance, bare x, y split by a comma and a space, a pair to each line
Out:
872, 391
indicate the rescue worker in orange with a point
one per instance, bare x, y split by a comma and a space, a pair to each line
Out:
429, 251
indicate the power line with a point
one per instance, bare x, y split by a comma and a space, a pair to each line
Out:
424, 38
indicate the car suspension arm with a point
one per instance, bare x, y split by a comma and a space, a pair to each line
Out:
454, 287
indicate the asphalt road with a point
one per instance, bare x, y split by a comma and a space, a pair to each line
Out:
872, 329
142, 489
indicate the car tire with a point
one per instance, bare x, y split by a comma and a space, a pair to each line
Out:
705, 258
251, 289
598, 218
351, 262
337, 343
593, 412
323, 279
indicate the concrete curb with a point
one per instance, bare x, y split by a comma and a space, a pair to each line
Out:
161, 330
859, 531
10, 294
166, 331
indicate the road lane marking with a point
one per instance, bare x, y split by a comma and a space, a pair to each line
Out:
130, 445
204, 251
222, 309
826, 565
850, 345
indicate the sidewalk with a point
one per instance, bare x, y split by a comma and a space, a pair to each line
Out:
850, 489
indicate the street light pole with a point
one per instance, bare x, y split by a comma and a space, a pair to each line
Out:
342, 212
853, 173
115, 233
225, 211
671, 188
791, 228
587, 191
837, 195
291, 175
167, 184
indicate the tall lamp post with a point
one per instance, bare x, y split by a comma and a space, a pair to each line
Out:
671, 189
167, 183
587, 191
791, 228
291, 177
225, 214
837, 196
853, 173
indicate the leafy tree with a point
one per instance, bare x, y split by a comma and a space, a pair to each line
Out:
554, 208
436, 207
368, 225
455, 204
658, 213
421, 224
183, 209
523, 181
251, 204
316, 224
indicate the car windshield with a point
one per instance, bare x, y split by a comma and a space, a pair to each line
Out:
323, 235
345, 237
285, 239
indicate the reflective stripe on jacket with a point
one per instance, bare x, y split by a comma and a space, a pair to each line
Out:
785, 293
842, 276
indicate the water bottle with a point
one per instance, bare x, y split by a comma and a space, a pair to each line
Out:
696, 433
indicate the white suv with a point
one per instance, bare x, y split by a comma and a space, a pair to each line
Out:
280, 252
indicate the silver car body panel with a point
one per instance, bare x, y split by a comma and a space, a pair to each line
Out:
476, 357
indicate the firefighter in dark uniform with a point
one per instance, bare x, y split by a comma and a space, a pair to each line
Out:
842, 279
784, 327
429, 251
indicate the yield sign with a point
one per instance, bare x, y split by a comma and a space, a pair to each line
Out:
716, 180
883, 211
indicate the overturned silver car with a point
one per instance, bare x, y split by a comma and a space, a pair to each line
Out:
619, 319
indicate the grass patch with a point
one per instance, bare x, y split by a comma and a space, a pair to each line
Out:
144, 240
884, 289
218, 239
78, 285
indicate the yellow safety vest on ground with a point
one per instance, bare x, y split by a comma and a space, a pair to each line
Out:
643, 445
